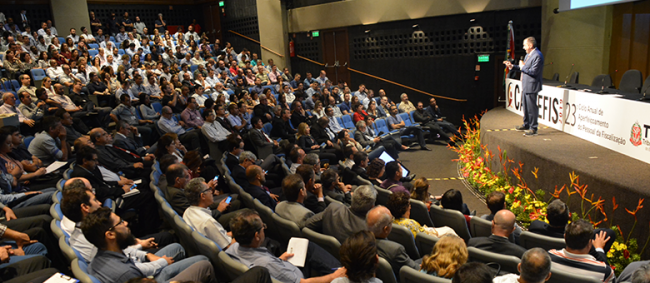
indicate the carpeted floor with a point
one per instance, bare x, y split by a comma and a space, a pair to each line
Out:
438, 164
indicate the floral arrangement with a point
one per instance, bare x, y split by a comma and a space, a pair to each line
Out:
479, 167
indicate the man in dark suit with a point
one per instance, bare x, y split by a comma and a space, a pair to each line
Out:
143, 202
238, 172
122, 139
282, 128
177, 178
255, 187
380, 223
235, 148
315, 200
434, 110
261, 140
428, 122
503, 225
118, 160
360, 163
531, 81
341, 221
321, 133
366, 136
263, 110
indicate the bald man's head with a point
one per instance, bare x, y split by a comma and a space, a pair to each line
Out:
503, 223
535, 266
77, 182
253, 172
379, 221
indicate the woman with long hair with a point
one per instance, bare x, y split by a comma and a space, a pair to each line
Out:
26, 63
421, 191
148, 113
55, 42
282, 101
170, 144
308, 144
43, 60
358, 255
65, 51
74, 56
400, 207
319, 110
373, 112
448, 254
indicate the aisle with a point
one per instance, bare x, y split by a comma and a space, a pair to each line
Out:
436, 165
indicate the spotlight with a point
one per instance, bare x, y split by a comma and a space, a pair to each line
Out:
367, 31
415, 26
472, 20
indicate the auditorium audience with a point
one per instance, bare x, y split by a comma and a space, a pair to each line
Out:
535, 267
400, 207
448, 255
293, 208
503, 225
359, 258
380, 223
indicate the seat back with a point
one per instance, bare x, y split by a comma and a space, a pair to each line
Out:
574, 78
530, 240
406, 118
410, 275
67, 251
286, 229
28, 140
420, 213
55, 226
157, 106
57, 196
646, 86
207, 247
561, 276
480, 227
385, 272
508, 263
93, 46
267, 129
231, 267
404, 237
631, 81
55, 211
451, 218
266, 214
347, 122
80, 271
425, 243
382, 195
184, 232
93, 53
329, 243
381, 126
604, 80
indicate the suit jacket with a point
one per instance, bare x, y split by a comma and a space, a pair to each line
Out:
363, 140
531, 73
361, 172
306, 142
338, 221
264, 147
282, 129
319, 134
261, 110
115, 161
294, 211
103, 189
131, 144
395, 254
238, 174
311, 202
178, 201
543, 228
496, 244
231, 161
260, 194
423, 117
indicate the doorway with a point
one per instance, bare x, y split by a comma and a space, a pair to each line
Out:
336, 55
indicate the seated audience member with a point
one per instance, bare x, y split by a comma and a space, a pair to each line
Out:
393, 176
264, 144
636, 272
23, 260
497, 201
238, 172
558, 215
108, 184
380, 223
188, 136
293, 189
315, 200
375, 171
359, 256
178, 177
334, 188
429, 123
282, 127
340, 221
110, 234
313, 160
535, 267
249, 233
169, 144
453, 199
349, 145
400, 207
199, 216
236, 118
323, 133
575, 258
405, 106
191, 115
213, 130
447, 256
9, 107
79, 200
360, 164
256, 178
263, 110
20, 170
395, 122
503, 225
30, 109
125, 111
473, 272
68, 124
434, 111
296, 156
421, 191
116, 159
309, 145
50, 145
367, 137
128, 137
146, 109
234, 149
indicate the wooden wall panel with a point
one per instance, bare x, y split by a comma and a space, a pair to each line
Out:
630, 42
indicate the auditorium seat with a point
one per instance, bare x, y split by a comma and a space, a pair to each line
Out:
530, 240
329, 243
80, 271
420, 213
410, 275
646, 86
230, 266
631, 81
184, 233
348, 122
574, 78
404, 237
93, 53
208, 248
56, 197
38, 75
451, 218
425, 243
93, 46
560, 276
385, 272
286, 229
480, 227
382, 195
508, 263
55, 226
55, 211
556, 77
68, 252
267, 128
604, 80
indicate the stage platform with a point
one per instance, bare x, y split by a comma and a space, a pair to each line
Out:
557, 154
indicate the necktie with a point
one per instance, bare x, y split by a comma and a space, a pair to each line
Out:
265, 136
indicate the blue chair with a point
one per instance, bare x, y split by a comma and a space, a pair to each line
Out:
28, 140
231, 92
121, 52
157, 106
93, 46
61, 40
381, 127
267, 128
338, 119
137, 113
80, 271
272, 87
347, 122
38, 75
407, 119
397, 105
58, 196
59, 184
112, 38
193, 68
93, 52
7, 86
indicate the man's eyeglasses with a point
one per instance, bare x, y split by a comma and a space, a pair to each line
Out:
118, 224
207, 190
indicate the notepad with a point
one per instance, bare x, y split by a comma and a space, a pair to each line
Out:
55, 166
131, 193
298, 247
60, 278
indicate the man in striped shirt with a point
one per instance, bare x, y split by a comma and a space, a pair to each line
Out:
575, 258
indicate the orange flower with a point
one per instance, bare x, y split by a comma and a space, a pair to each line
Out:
581, 190
615, 206
638, 207
535, 172
556, 194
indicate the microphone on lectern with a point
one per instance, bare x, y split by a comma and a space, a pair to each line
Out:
567, 77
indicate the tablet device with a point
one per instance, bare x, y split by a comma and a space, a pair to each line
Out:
386, 158
323, 144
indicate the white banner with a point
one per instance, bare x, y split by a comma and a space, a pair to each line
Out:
550, 101
621, 125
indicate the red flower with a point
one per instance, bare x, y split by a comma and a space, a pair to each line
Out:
626, 254
511, 190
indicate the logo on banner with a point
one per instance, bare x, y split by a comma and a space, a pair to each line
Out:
635, 134
512, 92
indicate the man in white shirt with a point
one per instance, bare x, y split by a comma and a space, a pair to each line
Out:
199, 215
9, 107
89, 37
190, 31
73, 35
52, 28
212, 129
43, 28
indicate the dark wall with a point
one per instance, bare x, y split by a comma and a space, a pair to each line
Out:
308, 47
36, 14
180, 15
304, 3
438, 57
241, 17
